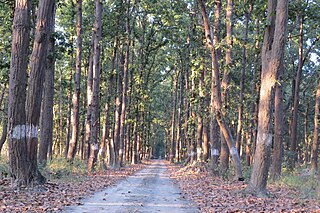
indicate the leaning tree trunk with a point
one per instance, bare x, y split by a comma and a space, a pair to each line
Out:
76, 93
315, 143
94, 146
46, 129
272, 59
216, 100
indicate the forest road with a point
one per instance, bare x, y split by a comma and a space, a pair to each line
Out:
149, 190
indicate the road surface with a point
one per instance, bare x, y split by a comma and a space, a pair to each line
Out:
149, 190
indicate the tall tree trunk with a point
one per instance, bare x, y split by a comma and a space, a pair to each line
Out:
117, 116
214, 140
125, 87
278, 130
214, 128
243, 73
200, 112
59, 142
135, 138
76, 93
34, 94
106, 127
305, 132
294, 123
17, 94
68, 126
226, 79
272, 60
46, 130
179, 146
89, 103
173, 118
216, 100
94, 146
315, 142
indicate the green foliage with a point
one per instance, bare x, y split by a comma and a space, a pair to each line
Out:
4, 167
307, 184
60, 168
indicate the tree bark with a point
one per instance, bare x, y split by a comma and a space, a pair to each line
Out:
37, 74
242, 81
17, 94
173, 119
315, 142
272, 59
294, 123
46, 130
179, 146
216, 100
76, 93
94, 145
278, 130
89, 103
117, 116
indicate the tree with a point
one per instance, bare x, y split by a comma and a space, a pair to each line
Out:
315, 143
278, 129
272, 59
76, 93
46, 122
17, 95
24, 112
216, 100
94, 145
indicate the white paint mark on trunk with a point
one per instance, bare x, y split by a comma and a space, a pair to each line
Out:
233, 151
94, 147
24, 131
265, 138
199, 150
120, 151
215, 152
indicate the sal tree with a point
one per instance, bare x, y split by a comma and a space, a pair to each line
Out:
24, 112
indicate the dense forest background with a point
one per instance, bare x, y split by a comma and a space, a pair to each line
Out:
129, 80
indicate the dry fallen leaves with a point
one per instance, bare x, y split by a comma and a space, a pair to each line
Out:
54, 195
213, 194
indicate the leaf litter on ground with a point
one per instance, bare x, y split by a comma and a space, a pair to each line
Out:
214, 194
56, 194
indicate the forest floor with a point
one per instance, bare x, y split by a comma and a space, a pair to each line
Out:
153, 186
213, 194
61, 190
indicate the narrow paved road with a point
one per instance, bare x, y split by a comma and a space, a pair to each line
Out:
149, 190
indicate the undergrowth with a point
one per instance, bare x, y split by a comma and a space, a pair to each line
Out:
4, 167
60, 169
306, 184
